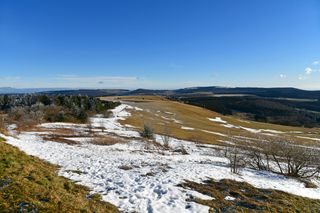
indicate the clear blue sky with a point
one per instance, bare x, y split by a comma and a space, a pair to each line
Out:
159, 43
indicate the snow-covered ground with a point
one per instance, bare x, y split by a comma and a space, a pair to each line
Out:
149, 181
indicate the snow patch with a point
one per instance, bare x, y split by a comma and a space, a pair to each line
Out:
214, 133
169, 113
138, 109
187, 128
196, 194
314, 139
229, 198
218, 120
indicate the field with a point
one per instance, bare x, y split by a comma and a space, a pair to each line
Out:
201, 125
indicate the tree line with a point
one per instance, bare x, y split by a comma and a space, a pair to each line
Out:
53, 108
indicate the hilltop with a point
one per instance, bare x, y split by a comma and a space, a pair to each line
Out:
152, 154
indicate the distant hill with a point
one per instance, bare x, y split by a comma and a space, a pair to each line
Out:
10, 90
286, 106
90, 92
151, 92
278, 111
64, 91
285, 92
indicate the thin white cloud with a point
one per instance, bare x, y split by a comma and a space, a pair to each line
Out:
308, 70
282, 76
10, 78
302, 77
96, 79
315, 63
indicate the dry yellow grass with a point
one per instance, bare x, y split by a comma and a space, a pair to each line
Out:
249, 198
164, 114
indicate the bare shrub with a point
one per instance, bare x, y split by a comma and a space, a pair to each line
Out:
147, 132
90, 128
166, 136
236, 158
182, 150
101, 126
285, 156
259, 155
153, 146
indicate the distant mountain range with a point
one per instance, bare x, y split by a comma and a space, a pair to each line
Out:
63, 91
91, 92
283, 92
10, 90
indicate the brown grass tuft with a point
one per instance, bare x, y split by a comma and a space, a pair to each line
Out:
249, 198
107, 140
59, 139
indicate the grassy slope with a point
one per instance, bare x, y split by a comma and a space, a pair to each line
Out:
249, 198
27, 183
286, 112
195, 117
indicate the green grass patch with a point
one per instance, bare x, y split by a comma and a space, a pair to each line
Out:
249, 198
28, 184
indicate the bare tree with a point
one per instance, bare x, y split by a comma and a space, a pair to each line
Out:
236, 157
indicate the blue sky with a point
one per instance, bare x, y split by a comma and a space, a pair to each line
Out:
159, 43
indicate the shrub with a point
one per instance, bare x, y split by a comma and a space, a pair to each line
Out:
236, 158
284, 156
166, 136
147, 132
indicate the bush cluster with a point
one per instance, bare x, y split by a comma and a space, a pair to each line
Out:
275, 154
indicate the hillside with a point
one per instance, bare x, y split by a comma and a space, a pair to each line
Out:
285, 106
292, 112
212, 90
198, 124
28, 184
185, 162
